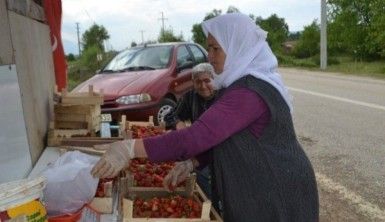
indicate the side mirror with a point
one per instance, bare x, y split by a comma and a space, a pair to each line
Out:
186, 65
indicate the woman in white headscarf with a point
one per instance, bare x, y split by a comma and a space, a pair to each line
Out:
261, 173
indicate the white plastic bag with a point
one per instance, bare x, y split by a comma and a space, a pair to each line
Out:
69, 183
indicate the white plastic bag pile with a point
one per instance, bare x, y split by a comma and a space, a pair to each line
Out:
70, 184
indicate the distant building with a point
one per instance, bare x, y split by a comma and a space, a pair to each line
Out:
289, 46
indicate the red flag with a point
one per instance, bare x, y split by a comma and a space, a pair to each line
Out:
53, 14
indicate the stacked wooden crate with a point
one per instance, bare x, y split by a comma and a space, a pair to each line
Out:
77, 114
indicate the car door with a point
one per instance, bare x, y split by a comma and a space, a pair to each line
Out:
184, 63
199, 54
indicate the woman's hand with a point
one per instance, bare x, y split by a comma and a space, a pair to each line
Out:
116, 158
178, 174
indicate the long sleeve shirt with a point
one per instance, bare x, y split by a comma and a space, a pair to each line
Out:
237, 109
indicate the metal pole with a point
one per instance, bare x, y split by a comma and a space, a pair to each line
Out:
78, 32
163, 18
142, 36
323, 53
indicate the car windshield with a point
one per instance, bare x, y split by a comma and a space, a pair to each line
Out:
142, 58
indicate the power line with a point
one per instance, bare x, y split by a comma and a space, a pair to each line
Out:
92, 20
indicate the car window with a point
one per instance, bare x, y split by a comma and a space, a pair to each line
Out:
183, 55
198, 54
119, 60
152, 57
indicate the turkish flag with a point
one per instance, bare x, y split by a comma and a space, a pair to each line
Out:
53, 14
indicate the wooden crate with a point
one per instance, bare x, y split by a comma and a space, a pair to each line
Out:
88, 141
77, 109
86, 98
188, 189
56, 135
126, 127
104, 205
91, 127
77, 117
88, 150
207, 215
129, 124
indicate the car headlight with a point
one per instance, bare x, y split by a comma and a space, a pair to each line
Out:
134, 99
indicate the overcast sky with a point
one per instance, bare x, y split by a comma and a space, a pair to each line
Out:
125, 19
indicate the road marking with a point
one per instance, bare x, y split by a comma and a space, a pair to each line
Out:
368, 209
371, 105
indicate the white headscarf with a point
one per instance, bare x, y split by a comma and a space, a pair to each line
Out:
247, 52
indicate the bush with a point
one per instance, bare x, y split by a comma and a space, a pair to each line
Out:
285, 60
84, 68
89, 58
308, 43
331, 60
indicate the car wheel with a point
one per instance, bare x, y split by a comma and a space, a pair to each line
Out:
166, 106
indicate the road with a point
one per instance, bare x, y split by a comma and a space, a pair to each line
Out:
340, 121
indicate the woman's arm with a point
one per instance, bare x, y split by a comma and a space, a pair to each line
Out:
234, 111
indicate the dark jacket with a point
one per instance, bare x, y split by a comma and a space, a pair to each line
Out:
189, 107
269, 178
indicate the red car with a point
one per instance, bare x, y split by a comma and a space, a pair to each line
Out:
146, 80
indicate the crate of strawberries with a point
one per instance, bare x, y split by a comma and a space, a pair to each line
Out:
136, 131
142, 173
158, 205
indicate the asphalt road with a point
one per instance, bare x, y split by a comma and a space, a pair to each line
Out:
340, 121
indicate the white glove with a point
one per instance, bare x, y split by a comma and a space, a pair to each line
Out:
178, 174
116, 158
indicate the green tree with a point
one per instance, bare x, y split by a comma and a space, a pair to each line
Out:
294, 36
70, 57
95, 36
309, 42
197, 31
356, 27
198, 35
89, 59
212, 14
277, 28
168, 36
232, 9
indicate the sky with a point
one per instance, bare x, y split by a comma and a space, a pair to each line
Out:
126, 20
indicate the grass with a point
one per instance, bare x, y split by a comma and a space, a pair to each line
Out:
339, 64
77, 74
349, 66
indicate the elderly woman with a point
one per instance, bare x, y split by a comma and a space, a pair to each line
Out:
190, 107
196, 101
261, 171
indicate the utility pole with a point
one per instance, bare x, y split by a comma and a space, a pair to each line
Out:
162, 18
323, 56
78, 31
142, 36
